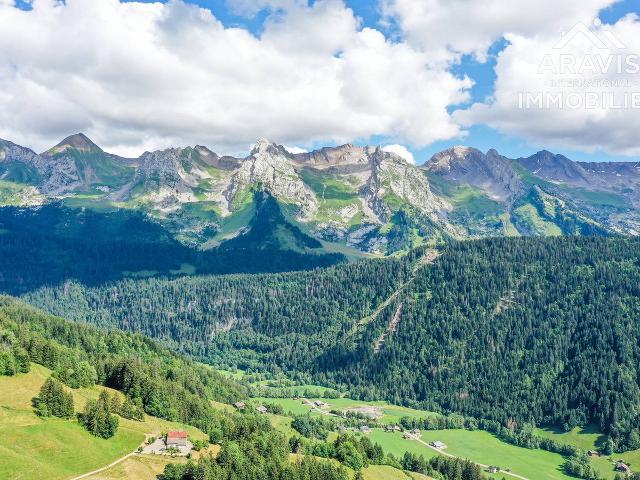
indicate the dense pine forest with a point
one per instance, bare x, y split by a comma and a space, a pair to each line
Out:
160, 383
53, 243
527, 330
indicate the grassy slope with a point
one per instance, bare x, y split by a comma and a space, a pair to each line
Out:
590, 439
52, 448
139, 467
390, 413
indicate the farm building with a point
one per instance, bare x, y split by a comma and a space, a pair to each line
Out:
176, 438
261, 409
239, 405
437, 444
622, 467
365, 429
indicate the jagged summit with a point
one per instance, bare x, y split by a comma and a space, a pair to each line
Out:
364, 197
490, 172
78, 141
555, 167
347, 154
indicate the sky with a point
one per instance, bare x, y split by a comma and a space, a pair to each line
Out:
414, 76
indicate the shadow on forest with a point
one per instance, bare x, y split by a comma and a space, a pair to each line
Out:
53, 244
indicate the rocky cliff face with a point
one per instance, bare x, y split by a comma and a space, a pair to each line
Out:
271, 167
361, 197
490, 172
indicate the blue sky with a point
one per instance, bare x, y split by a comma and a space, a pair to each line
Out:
482, 73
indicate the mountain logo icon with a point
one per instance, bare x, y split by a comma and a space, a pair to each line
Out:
601, 39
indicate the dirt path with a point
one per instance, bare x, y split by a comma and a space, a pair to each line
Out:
446, 454
393, 326
114, 463
429, 257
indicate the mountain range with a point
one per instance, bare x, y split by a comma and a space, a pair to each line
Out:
350, 199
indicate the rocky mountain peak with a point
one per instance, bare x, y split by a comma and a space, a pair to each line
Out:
78, 141
347, 154
453, 158
490, 172
554, 167
271, 166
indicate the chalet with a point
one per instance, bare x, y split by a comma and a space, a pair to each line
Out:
493, 469
416, 433
392, 428
176, 438
240, 405
622, 467
365, 429
319, 404
261, 409
437, 444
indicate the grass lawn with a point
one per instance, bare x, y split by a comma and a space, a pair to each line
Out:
138, 467
590, 438
384, 472
52, 448
485, 448
481, 447
587, 438
294, 406
392, 442
390, 413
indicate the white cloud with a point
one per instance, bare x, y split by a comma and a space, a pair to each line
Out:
447, 28
401, 151
295, 150
137, 76
578, 95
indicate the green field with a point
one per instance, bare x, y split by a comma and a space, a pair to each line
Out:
390, 413
479, 446
589, 438
52, 448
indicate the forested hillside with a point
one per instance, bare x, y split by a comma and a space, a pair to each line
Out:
533, 330
165, 385
263, 313
54, 243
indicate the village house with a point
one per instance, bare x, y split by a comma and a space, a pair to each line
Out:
261, 409
622, 467
416, 433
176, 438
437, 444
319, 404
493, 469
239, 405
365, 429
392, 428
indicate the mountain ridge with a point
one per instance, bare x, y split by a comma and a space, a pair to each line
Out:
359, 196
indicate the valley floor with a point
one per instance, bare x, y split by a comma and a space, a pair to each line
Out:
479, 446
